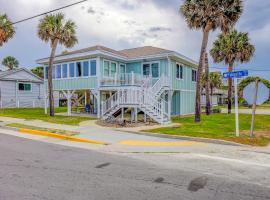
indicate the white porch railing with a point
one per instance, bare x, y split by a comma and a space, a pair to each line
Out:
124, 79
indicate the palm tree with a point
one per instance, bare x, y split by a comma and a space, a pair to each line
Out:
39, 71
207, 84
54, 29
215, 81
10, 62
6, 29
230, 48
207, 15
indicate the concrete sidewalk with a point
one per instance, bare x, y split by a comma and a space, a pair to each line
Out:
90, 130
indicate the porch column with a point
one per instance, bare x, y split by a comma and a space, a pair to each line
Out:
122, 113
68, 96
136, 114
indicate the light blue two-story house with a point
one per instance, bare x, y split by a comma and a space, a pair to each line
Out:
158, 82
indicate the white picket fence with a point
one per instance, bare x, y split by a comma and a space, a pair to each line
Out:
21, 103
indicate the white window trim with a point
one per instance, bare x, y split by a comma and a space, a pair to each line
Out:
29, 91
192, 74
153, 62
110, 64
120, 67
75, 70
180, 79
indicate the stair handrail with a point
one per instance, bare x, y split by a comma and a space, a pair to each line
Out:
158, 105
161, 82
110, 103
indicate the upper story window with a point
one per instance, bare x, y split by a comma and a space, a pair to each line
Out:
122, 68
58, 71
179, 71
109, 68
85, 68
194, 75
27, 87
93, 68
151, 69
71, 70
78, 69
53, 72
64, 71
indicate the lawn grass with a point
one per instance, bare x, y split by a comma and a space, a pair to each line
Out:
62, 132
220, 126
38, 113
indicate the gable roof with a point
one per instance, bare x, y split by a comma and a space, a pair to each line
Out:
124, 55
4, 75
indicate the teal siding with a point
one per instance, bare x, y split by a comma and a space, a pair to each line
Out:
134, 67
186, 83
75, 83
183, 102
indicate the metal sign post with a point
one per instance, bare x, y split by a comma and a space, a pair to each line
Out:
236, 108
235, 75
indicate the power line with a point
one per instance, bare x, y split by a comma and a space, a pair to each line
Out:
45, 13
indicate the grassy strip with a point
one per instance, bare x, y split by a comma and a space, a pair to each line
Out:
38, 113
221, 126
62, 132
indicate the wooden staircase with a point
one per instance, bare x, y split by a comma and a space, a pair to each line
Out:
147, 98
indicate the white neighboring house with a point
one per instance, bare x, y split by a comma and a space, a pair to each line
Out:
219, 97
20, 88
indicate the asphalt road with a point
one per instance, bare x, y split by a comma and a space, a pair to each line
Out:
35, 170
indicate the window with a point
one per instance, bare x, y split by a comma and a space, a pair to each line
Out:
71, 70
53, 72
109, 68
179, 71
113, 69
122, 68
85, 68
151, 69
146, 69
194, 75
93, 70
78, 69
58, 71
25, 87
64, 71
106, 68
46, 72
155, 70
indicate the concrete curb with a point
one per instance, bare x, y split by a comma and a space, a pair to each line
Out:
196, 139
55, 135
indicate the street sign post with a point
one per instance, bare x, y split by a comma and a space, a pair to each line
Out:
235, 75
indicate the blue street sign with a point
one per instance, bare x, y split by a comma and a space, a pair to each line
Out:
235, 74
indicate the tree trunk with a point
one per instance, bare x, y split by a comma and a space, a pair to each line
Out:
207, 85
199, 76
50, 81
230, 90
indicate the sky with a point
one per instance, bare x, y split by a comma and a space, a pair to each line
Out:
121, 24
